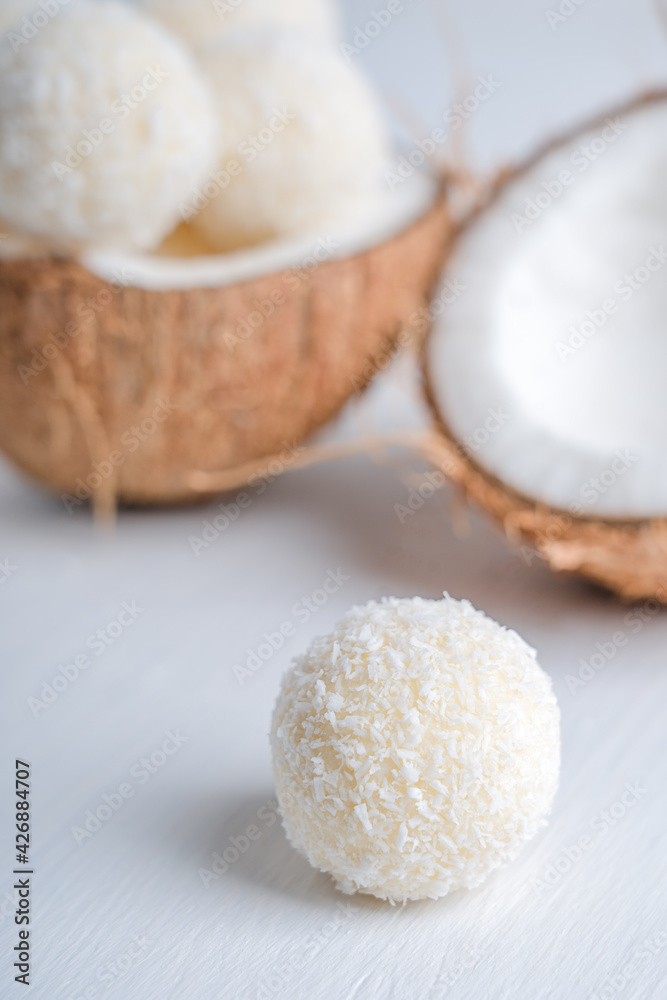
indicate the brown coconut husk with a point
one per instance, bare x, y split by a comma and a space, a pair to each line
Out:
155, 384
628, 557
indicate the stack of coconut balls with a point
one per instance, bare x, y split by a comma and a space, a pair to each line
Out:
120, 121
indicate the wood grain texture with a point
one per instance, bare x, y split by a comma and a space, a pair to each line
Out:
269, 925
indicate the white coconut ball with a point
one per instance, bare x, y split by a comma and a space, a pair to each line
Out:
415, 748
105, 127
201, 22
303, 140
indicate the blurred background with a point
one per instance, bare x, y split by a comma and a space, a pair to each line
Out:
557, 63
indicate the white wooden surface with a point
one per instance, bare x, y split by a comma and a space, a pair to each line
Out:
126, 913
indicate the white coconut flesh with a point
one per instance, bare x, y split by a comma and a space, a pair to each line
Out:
548, 362
185, 262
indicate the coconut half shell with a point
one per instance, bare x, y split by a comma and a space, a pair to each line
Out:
120, 392
627, 555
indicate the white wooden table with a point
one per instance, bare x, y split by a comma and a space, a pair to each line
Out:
158, 738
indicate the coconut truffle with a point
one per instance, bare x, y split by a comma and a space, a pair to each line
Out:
105, 126
201, 22
415, 748
303, 140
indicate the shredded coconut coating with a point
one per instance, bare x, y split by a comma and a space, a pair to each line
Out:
304, 128
415, 749
68, 178
201, 22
